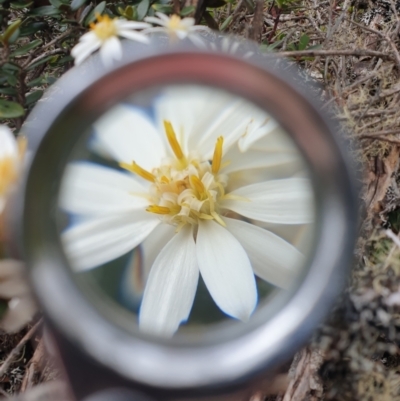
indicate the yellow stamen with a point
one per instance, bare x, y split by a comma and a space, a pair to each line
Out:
197, 184
218, 219
134, 168
164, 180
173, 141
216, 161
104, 28
158, 209
8, 174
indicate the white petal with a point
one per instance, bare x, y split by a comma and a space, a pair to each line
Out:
288, 201
226, 270
171, 286
153, 244
255, 159
157, 21
261, 125
20, 312
272, 258
162, 16
132, 35
137, 272
187, 22
124, 24
181, 33
8, 143
224, 117
276, 141
182, 107
89, 188
130, 136
111, 50
12, 279
84, 49
95, 241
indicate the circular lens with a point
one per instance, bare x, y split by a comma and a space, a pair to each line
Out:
185, 209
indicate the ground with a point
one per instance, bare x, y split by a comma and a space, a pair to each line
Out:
352, 49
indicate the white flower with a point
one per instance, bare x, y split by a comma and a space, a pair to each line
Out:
10, 162
15, 289
104, 36
176, 27
180, 201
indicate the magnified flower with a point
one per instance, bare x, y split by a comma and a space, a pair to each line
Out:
11, 152
180, 199
104, 36
176, 27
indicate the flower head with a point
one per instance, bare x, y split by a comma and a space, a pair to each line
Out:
11, 153
104, 35
175, 26
178, 197
15, 290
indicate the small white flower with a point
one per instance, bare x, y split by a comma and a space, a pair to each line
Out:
181, 200
10, 162
176, 27
15, 289
104, 36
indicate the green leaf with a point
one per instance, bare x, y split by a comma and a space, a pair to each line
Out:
11, 29
11, 67
85, 12
3, 308
8, 91
21, 4
45, 10
187, 11
42, 61
32, 28
10, 77
26, 48
92, 15
142, 9
43, 80
33, 97
226, 23
56, 3
10, 109
64, 60
14, 36
162, 8
303, 42
75, 4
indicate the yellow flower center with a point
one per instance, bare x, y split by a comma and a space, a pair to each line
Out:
8, 167
105, 27
174, 23
185, 189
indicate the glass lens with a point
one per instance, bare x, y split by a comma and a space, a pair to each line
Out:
185, 208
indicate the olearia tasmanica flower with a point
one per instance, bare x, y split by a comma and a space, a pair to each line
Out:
104, 35
191, 195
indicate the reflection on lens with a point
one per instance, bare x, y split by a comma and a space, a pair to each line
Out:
187, 207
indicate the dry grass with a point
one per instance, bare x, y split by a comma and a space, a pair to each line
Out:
355, 355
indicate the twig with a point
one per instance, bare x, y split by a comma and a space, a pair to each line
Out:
14, 353
333, 52
44, 55
382, 138
395, 52
258, 21
33, 367
381, 133
58, 38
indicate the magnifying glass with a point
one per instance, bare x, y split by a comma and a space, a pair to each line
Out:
187, 220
